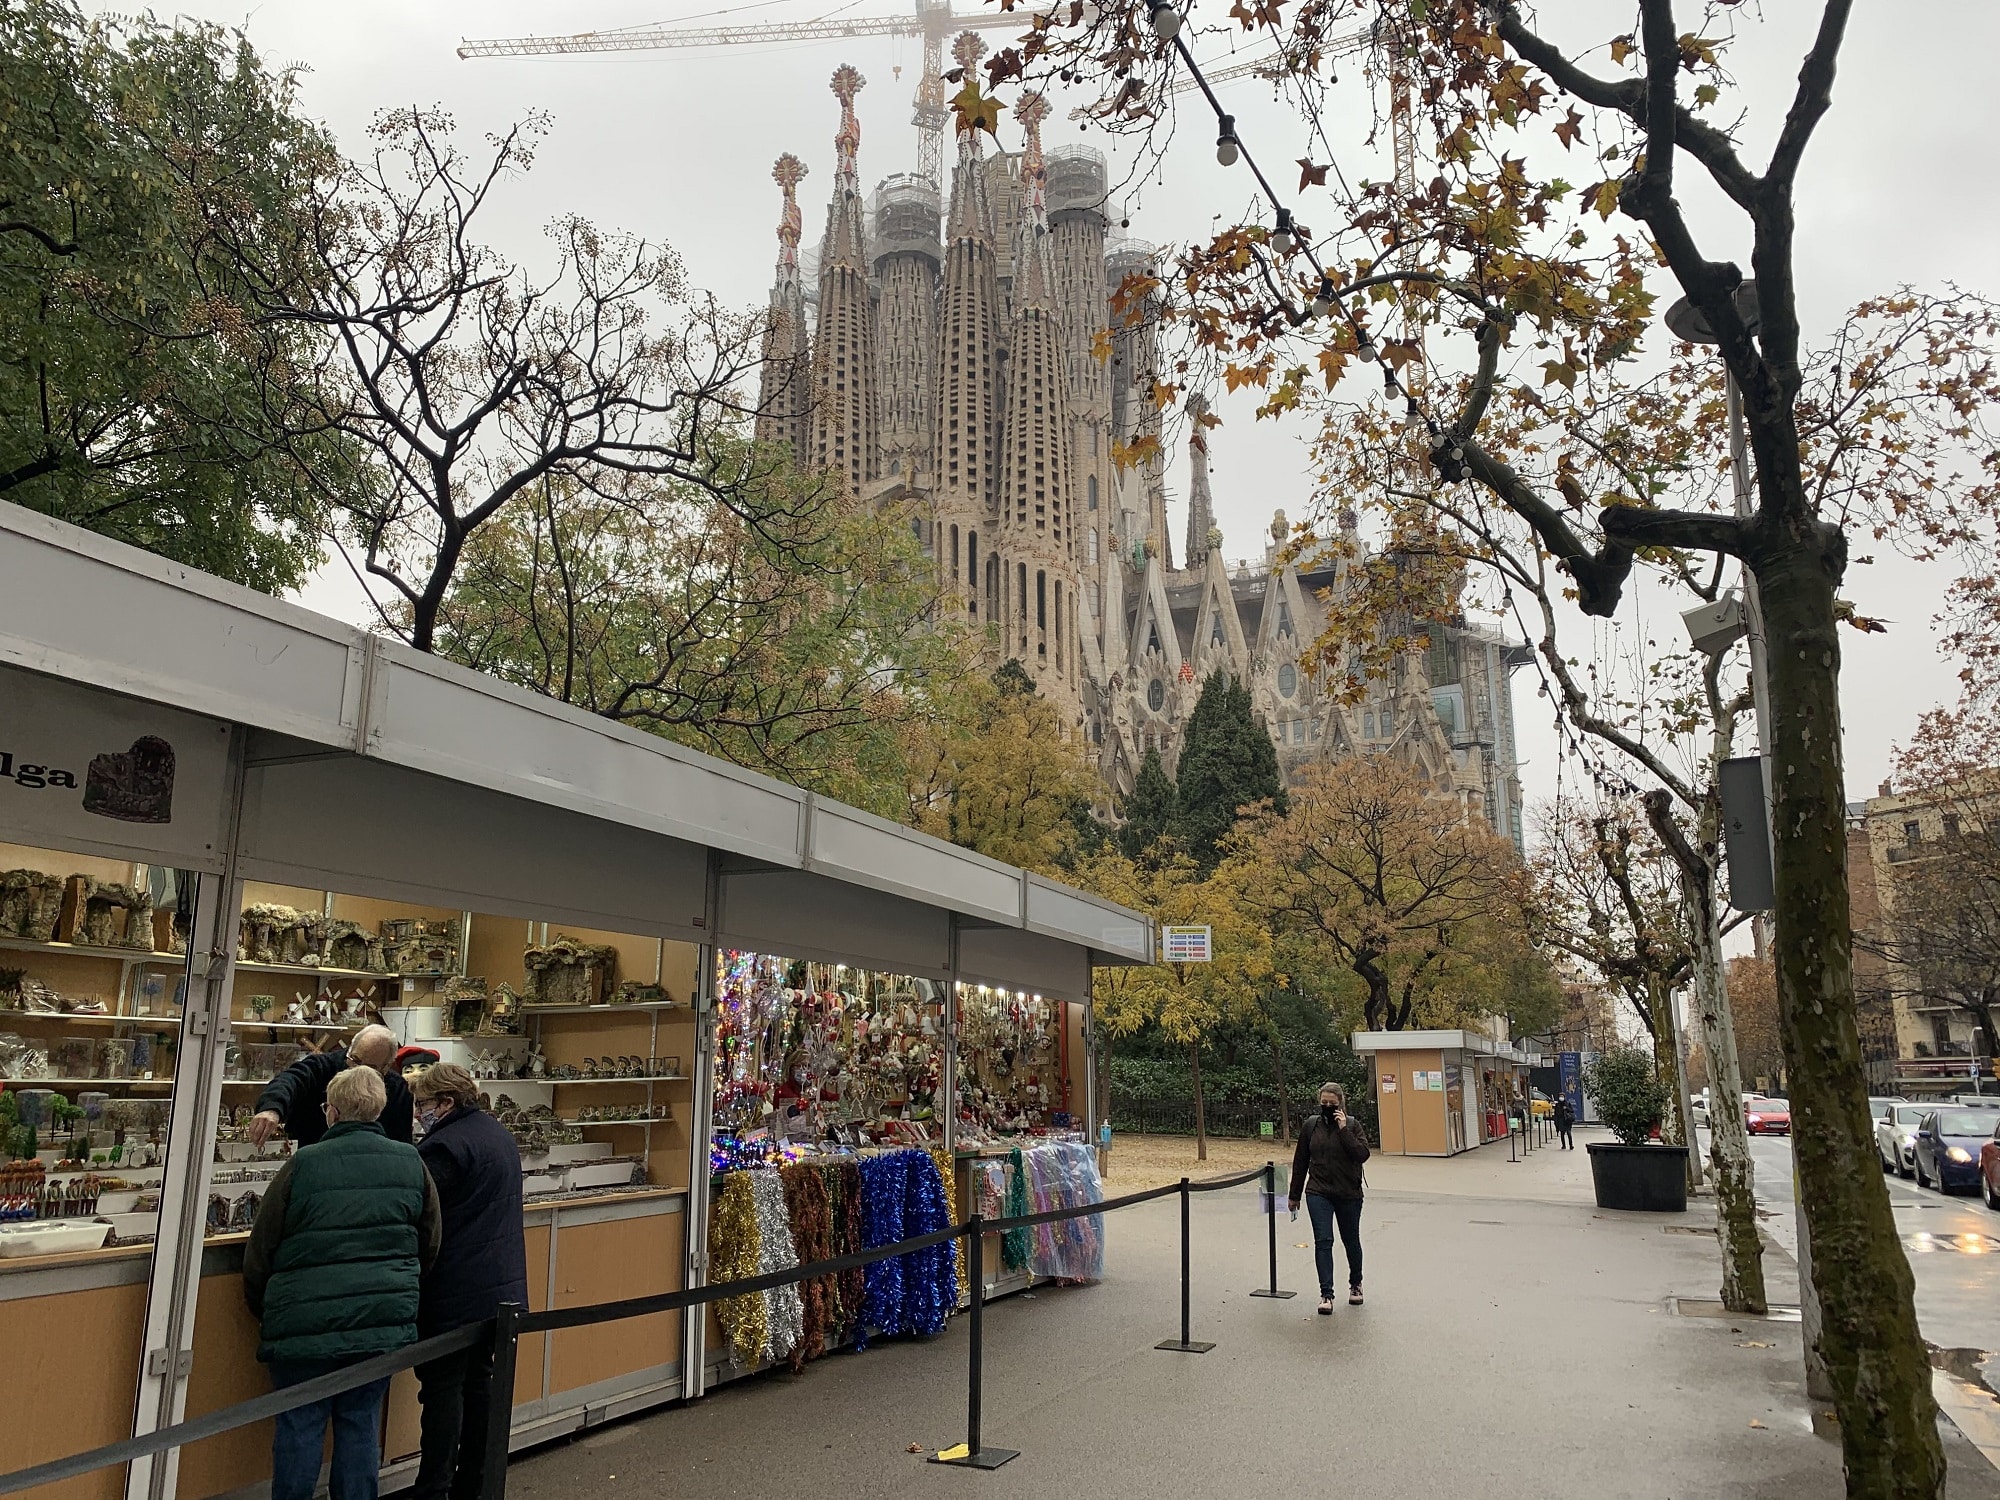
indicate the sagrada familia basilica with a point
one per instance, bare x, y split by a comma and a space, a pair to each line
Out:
947, 357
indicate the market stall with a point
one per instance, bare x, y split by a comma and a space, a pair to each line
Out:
260, 829
1439, 1092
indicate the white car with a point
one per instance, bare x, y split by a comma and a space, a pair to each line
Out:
1896, 1134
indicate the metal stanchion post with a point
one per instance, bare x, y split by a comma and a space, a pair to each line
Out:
1512, 1154
1184, 1344
975, 1456
1271, 1213
500, 1401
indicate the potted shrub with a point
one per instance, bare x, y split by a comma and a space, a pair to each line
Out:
1634, 1172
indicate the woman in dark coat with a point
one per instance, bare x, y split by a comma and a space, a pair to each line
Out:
482, 1263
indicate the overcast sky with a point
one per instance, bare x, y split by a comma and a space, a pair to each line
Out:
678, 146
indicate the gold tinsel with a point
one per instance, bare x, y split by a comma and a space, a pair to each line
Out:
948, 1173
734, 1249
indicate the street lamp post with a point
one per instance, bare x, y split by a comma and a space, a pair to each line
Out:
1685, 321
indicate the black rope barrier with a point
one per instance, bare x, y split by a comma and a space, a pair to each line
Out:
513, 1321
228, 1418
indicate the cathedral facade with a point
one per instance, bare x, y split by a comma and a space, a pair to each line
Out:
955, 355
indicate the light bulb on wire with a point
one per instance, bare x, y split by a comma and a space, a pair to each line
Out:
1282, 239
1322, 303
1227, 147
1166, 21
1412, 418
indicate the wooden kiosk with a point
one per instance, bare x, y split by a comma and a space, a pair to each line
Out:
1438, 1093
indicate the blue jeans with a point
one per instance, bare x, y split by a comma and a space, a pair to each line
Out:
1326, 1213
301, 1433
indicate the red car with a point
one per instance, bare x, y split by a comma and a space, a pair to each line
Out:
1767, 1116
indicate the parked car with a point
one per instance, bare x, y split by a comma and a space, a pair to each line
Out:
1896, 1136
1763, 1116
1699, 1104
1948, 1146
1543, 1106
1977, 1101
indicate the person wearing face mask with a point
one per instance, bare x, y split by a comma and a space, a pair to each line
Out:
1326, 1170
482, 1262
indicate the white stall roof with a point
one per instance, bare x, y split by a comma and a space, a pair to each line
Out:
78, 606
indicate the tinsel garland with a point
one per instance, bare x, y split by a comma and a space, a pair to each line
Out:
784, 1313
884, 1185
734, 1250
844, 1193
946, 1174
1015, 1244
812, 1236
930, 1276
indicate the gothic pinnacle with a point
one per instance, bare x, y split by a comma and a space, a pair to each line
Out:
788, 173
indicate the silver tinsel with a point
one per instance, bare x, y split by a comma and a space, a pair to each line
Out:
776, 1252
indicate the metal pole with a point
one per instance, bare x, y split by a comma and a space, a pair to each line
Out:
1184, 1344
500, 1400
1271, 1213
1818, 1385
975, 1455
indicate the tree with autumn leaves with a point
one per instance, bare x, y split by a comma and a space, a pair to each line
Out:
1503, 320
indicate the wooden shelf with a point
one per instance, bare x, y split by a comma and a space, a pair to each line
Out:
81, 950
167, 1023
586, 1124
18, 1084
253, 1023
598, 1010
245, 966
564, 1083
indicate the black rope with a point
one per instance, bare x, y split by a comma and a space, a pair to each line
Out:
254, 1410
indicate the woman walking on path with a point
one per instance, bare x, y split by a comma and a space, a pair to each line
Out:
1326, 1170
1565, 1119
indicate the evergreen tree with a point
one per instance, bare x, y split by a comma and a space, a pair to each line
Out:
1227, 762
1150, 811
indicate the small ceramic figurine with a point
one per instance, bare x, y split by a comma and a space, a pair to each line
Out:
295, 1013
537, 1065
261, 1005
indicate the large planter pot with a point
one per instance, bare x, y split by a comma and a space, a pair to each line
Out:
1640, 1179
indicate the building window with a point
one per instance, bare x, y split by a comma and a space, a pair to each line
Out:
1368, 725
1156, 695
1093, 478
1041, 600
1951, 825
1288, 678
1284, 618
1153, 636
1388, 721
1093, 546
954, 554
1913, 833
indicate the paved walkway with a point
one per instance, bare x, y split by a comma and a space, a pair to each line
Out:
1516, 1341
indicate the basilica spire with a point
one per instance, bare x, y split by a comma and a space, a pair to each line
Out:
785, 385
1201, 507
844, 411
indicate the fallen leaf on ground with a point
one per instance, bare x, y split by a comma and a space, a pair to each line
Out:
1752, 1344
1755, 1423
914, 1448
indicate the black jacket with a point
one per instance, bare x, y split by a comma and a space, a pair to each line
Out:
484, 1258
297, 1094
1565, 1116
1328, 1161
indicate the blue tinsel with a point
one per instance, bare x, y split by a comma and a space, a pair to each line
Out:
930, 1277
884, 1185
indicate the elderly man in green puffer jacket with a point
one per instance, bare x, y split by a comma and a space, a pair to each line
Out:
342, 1240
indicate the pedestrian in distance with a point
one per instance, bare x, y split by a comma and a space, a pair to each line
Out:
482, 1262
1565, 1119
333, 1273
1326, 1169
293, 1098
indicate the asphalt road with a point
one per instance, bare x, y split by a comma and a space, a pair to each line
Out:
1953, 1244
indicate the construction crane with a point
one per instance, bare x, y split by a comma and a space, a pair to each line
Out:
933, 20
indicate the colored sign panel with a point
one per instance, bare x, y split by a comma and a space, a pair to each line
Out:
1569, 1070
1187, 945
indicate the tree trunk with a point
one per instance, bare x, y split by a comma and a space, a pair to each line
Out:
1664, 1059
1200, 1110
1874, 1353
1728, 1141
1284, 1100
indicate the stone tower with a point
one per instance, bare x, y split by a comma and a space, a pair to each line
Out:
844, 418
964, 470
1077, 190
1201, 505
1037, 491
907, 253
784, 398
